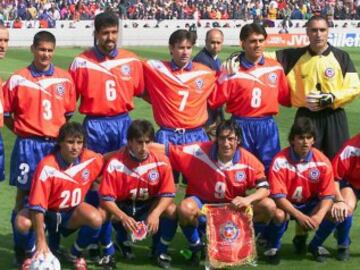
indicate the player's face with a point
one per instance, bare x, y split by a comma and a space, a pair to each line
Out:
302, 144
317, 32
214, 42
71, 148
139, 147
43, 54
181, 52
106, 38
4, 42
227, 144
254, 46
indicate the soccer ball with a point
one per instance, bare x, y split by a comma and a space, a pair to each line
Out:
48, 262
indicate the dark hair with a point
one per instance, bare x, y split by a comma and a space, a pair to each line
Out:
181, 35
317, 18
70, 129
302, 126
139, 129
43, 36
229, 125
106, 19
251, 28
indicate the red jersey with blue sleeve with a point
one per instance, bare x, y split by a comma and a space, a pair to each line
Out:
212, 182
346, 163
57, 189
107, 85
301, 181
179, 96
255, 90
124, 178
39, 103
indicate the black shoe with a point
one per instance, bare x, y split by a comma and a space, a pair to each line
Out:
19, 257
163, 261
272, 256
195, 258
107, 262
125, 250
63, 255
343, 254
318, 253
299, 242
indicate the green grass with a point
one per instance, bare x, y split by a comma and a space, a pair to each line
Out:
18, 58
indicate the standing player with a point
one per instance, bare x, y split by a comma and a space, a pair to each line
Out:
138, 185
4, 41
218, 172
178, 91
57, 194
209, 56
106, 79
302, 185
37, 102
346, 165
253, 92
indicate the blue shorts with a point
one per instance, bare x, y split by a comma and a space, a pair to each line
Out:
179, 137
307, 208
260, 136
344, 184
57, 222
106, 134
138, 210
2, 159
26, 155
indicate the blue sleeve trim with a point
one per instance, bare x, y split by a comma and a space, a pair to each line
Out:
108, 198
69, 114
7, 114
329, 197
166, 195
278, 196
37, 208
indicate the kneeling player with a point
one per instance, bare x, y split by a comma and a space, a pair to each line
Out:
57, 194
302, 184
346, 165
138, 185
219, 172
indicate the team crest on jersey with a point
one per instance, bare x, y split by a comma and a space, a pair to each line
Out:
153, 176
240, 176
229, 232
272, 78
85, 175
329, 72
125, 70
314, 174
60, 89
199, 84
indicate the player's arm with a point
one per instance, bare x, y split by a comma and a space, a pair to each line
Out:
153, 219
262, 191
322, 209
110, 206
37, 218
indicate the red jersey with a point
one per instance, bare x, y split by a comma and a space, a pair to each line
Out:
179, 97
39, 104
127, 179
56, 189
107, 85
210, 181
255, 91
346, 163
300, 182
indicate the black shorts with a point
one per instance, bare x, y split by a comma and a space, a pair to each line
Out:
331, 129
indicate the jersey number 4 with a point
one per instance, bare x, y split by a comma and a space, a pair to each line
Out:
297, 195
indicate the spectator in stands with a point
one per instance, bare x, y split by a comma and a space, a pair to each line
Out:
17, 23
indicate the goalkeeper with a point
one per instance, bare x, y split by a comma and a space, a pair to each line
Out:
322, 80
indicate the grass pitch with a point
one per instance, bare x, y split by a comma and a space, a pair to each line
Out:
19, 58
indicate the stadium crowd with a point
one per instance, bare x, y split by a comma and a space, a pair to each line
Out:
52, 11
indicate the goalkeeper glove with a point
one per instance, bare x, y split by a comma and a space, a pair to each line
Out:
232, 63
316, 101
326, 99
